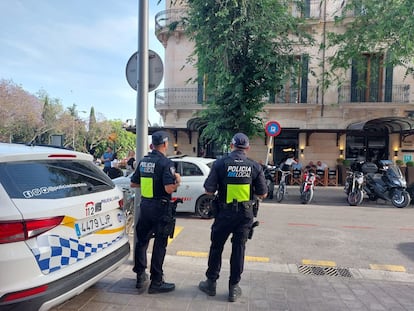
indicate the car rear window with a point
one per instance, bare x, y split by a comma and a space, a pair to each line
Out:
52, 179
190, 169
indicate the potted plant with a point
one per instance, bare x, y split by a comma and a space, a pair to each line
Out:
409, 172
399, 162
342, 167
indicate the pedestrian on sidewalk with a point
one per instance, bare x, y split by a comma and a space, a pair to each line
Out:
236, 179
156, 177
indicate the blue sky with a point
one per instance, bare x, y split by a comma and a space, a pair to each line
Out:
76, 51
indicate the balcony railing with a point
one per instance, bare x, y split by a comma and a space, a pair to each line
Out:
175, 97
309, 9
394, 94
309, 95
165, 19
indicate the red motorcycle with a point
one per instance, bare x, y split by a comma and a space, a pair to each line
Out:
306, 189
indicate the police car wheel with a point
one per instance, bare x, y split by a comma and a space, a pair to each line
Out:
202, 207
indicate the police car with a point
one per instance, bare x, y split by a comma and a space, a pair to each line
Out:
193, 171
62, 227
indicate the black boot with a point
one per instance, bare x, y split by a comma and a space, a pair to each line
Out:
141, 279
208, 286
160, 287
234, 292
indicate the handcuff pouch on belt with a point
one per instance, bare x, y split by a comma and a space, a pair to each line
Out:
166, 225
214, 207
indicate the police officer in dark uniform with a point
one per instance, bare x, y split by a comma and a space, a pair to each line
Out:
236, 179
156, 176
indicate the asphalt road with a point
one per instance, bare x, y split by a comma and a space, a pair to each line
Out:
374, 235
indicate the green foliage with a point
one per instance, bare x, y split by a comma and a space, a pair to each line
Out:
383, 27
25, 118
409, 163
240, 51
399, 162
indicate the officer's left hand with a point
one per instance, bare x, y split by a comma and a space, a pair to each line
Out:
177, 178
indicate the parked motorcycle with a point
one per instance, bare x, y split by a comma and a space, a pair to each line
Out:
386, 182
308, 184
270, 175
354, 184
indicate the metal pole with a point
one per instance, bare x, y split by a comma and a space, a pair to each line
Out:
141, 125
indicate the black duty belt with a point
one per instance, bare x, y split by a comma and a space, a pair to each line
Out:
240, 206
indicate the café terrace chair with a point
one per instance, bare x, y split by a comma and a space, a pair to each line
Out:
333, 177
296, 177
321, 177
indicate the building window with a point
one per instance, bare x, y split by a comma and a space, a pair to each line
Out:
367, 79
366, 147
295, 86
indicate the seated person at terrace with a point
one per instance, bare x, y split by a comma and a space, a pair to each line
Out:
321, 166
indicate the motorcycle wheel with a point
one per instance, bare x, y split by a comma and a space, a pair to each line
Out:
307, 196
280, 193
355, 197
400, 198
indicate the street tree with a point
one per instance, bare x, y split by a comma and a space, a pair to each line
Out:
20, 113
374, 27
115, 136
244, 51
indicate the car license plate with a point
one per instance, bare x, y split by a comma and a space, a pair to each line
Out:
92, 224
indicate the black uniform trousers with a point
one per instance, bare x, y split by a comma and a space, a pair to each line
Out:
147, 225
237, 223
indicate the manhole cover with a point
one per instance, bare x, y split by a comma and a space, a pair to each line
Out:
328, 271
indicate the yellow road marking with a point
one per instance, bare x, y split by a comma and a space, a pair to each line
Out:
205, 255
192, 254
323, 263
393, 268
177, 231
257, 259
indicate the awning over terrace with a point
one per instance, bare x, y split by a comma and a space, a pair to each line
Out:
390, 125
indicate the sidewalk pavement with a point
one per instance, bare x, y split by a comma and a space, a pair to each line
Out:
265, 286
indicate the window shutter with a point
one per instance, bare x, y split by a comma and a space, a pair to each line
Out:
307, 9
354, 81
389, 71
304, 79
200, 89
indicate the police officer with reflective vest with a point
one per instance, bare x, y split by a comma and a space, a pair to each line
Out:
237, 180
156, 176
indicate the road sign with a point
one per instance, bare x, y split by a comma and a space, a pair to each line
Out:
155, 70
272, 128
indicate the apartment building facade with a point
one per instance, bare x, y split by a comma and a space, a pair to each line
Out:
342, 121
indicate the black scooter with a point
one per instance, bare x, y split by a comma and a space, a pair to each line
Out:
386, 182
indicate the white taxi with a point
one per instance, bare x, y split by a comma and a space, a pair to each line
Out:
62, 227
193, 171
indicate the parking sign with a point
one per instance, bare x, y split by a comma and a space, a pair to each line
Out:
272, 128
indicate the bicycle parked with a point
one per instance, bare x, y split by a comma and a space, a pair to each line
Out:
282, 189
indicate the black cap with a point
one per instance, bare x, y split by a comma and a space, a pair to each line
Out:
159, 137
240, 140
